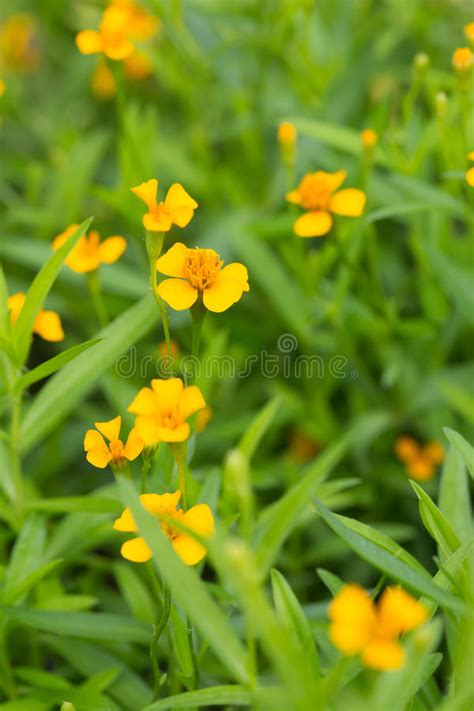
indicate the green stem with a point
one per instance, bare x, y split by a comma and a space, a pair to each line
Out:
14, 451
198, 313
158, 627
93, 282
154, 245
179, 453
145, 471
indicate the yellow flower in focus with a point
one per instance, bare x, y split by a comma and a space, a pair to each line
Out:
369, 138
89, 253
103, 82
287, 133
198, 272
462, 59
47, 324
469, 31
112, 38
99, 453
198, 519
317, 194
163, 409
470, 177
138, 66
177, 208
358, 626
19, 43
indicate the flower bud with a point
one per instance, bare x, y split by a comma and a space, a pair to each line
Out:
462, 60
441, 103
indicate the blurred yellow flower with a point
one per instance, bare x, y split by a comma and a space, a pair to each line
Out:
141, 25
462, 59
470, 177
469, 31
2, 87
358, 626
163, 409
203, 418
369, 138
198, 519
317, 194
177, 209
198, 272
89, 253
19, 49
287, 133
47, 324
99, 453
138, 66
112, 38
420, 462
103, 82
406, 448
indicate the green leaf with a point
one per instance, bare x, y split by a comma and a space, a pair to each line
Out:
65, 389
188, 590
463, 447
84, 625
4, 316
214, 696
333, 583
385, 561
258, 427
456, 282
435, 522
454, 494
39, 290
135, 592
27, 553
71, 504
15, 592
291, 616
53, 364
446, 577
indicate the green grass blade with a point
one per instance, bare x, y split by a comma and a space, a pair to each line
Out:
231, 695
258, 427
463, 447
454, 494
435, 522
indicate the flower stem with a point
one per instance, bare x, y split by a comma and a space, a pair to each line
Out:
154, 245
93, 282
179, 453
144, 476
198, 313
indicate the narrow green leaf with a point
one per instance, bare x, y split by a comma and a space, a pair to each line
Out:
454, 495
258, 427
39, 290
214, 696
385, 561
135, 592
66, 388
455, 280
53, 364
15, 592
463, 447
331, 581
435, 522
446, 578
71, 504
27, 553
3, 304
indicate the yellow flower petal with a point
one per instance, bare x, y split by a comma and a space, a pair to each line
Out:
112, 249
144, 403
136, 550
237, 272
111, 428
160, 503
157, 222
177, 434
168, 392
172, 262
199, 518
294, 197
182, 216
89, 42
118, 49
178, 293
470, 177
349, 202
349, 637
178, 197
147, 192
384, 655
99, 456
332, 180
48, 325
399, 612
313, 224
148, 428
93, 439
125, 522
191, 401
15, 304
353, 618
222, 294
134, 445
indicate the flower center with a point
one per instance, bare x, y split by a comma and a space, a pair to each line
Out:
315, 194
160, 211
171, 420
166, 526
201, 267
116, 450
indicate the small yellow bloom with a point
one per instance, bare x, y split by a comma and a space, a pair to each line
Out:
434, 452
99, 453
317, 194
112, 38
177, 208
470, 177
198, 519
141, 25
406, 448
420, 462
470, 155
19, 43
2, 87
89, 253
163, 409
198, 272
138, 66
369, 138
462, 59
287, 133
358, 626
103, 82
47, 324
469, 31
420, 468
203, 418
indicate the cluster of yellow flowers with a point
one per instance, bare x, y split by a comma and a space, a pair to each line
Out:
420, 462
358, 626
123, 25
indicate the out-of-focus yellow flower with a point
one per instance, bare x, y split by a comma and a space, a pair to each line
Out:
47, 324
369, 138
163, 409
99, 453
199, 272
470, 155
358, 626
420, 468
141, 24
203, 418
198, 519
89, 253
103, 83
406, 448
434, 452
19, 43
420, 462
469, 31
287, 133
112, 38
462, 59
317, 194
470, 177
138, 66
2, 87
177, 208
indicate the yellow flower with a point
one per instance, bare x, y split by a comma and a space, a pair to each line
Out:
138, 66
420, 461
89, 253
2, 87
177, 208
140, 24
99, 453
112, 38
434, 452
420, 467
470, 155
103, 82
163, 410
203, 418
406, 448
19, 43
462, 59
198, 519
287, 133
200, 271
369, 138
469, 31
470, 177
317, 194
47, 324
358, 626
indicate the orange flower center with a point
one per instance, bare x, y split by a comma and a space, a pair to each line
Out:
166, 526
202, 267
171, 420
314, 194
116, 450
160, 211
